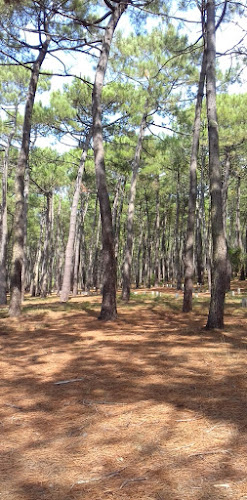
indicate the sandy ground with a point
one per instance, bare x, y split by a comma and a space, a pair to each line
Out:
150, 407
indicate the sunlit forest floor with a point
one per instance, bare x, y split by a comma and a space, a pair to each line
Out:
150, 407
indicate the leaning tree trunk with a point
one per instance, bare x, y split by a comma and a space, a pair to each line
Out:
108, 307
79, 240
19, 220
131, 211
219, 259
77, 244
188, 257
66, 286
76, 261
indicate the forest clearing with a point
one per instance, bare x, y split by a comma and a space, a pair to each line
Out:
149, 407
123, 250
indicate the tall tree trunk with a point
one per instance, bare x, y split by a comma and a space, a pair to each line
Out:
238, 239
79, 239
157, 235
96, 256
138, 263
4, 221
208, 251
59, 250
149, 253
225, 188
188, 257
202, 211
46, 268
34, 291
109, 306
76, 260
144, 258
66, 286
131, 211
238, 236
92, 248
118, 223
24, 264
177, 262
116, 203
219, 264
164, 265
51, 250
199, 256
4, 234
19, 219
82, 263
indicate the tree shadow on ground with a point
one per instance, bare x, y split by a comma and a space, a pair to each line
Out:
158, 401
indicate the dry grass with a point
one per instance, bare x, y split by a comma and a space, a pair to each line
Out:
158, 411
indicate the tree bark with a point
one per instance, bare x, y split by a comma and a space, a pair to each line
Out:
131, 211
144, 258
149, 253
199, 255
96, 257
66, 286
118, 224
24, 264
219, 260
238, 239
164, 266
188, 257
59, 250
92, 249
225, 188
46, 268
202, 211
177, 262
157, 235
19, 220
115, 204
138, 259
76, 261
4, 221
34, 291
77, 244
108, 307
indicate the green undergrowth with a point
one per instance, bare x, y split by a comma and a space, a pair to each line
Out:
173, 302
165, 301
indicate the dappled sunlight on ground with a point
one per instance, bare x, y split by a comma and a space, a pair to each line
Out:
151, 406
